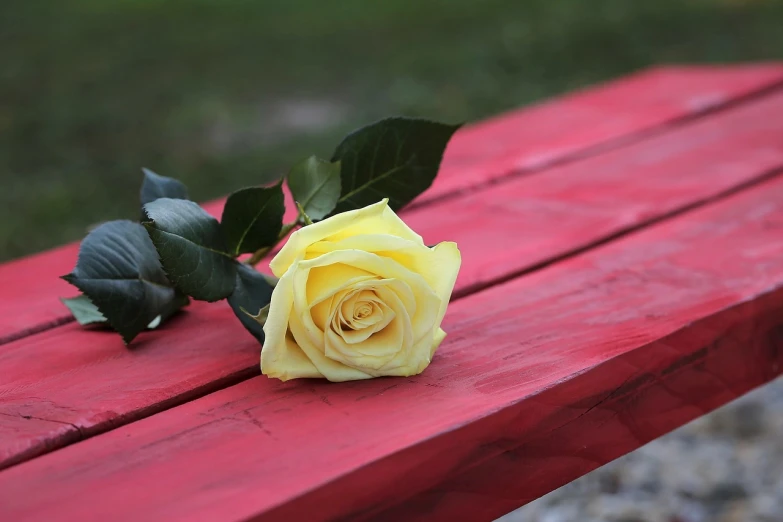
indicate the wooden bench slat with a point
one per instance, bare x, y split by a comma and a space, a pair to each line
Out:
89, 382
575, 205
541, 379
547, 133
523, 140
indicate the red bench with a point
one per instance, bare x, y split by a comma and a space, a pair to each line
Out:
622, 274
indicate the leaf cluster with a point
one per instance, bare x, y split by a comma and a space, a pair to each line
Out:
135, 275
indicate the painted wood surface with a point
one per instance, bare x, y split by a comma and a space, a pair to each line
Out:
540, 379
520, 141
565, 127
67, 383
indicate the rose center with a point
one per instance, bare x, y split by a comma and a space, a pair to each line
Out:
363, 310
367, 326
361, 314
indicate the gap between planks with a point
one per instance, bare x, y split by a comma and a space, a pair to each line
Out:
769, 175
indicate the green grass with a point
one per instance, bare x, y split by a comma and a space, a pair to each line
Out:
206, 91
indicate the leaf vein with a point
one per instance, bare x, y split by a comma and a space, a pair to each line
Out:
369, 183
224, 254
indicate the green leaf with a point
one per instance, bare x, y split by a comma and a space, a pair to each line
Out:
191, 248
252, 218
303, 215
118, 271
83, 310
395, 158
252, 292
180, 300
155, 187
315, 185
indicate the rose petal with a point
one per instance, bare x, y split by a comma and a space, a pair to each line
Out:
281, 357
438, 266
374, 219
425, 305
331, 369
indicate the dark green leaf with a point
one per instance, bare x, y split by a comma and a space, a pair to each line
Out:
85, 312
315, 185
252, 218
395, 158
118, 271
180, 300
303, 215
252, 293
191, 248
155, 187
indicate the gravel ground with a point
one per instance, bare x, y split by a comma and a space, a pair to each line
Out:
724, 467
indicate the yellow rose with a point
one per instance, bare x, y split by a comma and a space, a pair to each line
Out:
360, 295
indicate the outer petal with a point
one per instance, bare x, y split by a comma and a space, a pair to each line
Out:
281, 357
439, 336
415, 364
374, 219
295, 364
445, 263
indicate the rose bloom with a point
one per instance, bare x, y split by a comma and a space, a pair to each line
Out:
360, 295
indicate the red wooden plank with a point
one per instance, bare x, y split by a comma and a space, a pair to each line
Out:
577, 204
541, 379
61, 375
522, 140
549, 132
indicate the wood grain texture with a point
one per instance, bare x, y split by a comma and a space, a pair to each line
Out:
524, 140
61, 375
544, 377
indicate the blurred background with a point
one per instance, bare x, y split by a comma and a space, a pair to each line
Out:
227, 94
